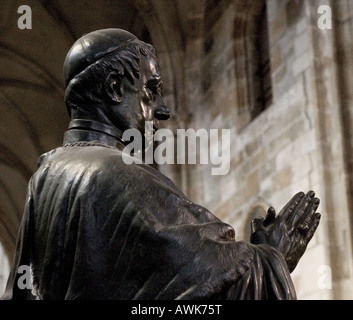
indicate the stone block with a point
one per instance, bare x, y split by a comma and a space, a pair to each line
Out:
301, 44
282, 179
253, 184
301, 63
278, 27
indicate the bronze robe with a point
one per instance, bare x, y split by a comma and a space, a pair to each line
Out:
97, 228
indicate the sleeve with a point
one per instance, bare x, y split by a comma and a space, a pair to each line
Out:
168, 247
267, 278
137, 241
201, 258
203, 263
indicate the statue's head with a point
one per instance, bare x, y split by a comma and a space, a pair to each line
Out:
113, 77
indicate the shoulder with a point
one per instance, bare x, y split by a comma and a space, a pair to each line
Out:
109, 163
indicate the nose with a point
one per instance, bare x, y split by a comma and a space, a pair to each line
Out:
162, 112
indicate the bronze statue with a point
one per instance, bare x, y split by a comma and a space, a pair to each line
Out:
95, 227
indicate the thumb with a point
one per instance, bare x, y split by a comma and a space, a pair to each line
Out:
257, 224
270, 216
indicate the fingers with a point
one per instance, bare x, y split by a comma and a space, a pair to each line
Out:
313, 227
303, 212
309, 214
270, 216
257, 224
286, 212
258, 234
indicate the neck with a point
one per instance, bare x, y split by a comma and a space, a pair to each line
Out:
90, 130
96, 126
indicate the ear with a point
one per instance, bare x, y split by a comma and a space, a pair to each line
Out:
113, 87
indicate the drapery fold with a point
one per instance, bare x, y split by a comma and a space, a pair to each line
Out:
97, 228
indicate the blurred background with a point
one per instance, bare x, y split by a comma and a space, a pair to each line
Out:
277, 73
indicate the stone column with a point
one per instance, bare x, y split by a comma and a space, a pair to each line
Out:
326, 84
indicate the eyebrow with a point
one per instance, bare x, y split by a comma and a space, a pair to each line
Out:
154, 81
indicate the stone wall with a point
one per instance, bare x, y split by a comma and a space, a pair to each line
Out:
294, 145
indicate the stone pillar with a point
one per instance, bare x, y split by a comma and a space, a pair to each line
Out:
343, 31
326, 82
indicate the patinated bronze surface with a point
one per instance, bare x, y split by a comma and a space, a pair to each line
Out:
95, 227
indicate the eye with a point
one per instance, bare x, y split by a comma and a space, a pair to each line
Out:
155, 86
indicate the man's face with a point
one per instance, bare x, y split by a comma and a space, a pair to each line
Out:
142, 101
